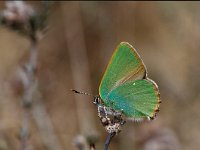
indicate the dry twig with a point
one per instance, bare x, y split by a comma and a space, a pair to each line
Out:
108, 140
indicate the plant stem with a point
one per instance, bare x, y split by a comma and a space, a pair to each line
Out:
28, 94
25, 130
108, 140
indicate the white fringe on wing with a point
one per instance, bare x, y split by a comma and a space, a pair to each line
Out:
136, 119
139, 119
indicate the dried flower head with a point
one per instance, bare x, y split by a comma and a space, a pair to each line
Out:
17, 13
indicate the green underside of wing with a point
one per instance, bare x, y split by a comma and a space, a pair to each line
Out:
125, 63
137, 99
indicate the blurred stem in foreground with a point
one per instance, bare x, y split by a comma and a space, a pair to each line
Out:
21, 17
18, 15
27, 98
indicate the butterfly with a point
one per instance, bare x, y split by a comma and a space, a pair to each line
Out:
125, 91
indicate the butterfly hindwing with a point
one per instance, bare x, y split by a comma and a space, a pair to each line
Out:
137, 99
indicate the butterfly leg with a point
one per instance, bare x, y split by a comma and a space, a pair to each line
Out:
111, 119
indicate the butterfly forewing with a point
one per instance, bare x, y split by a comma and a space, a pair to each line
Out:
124, 65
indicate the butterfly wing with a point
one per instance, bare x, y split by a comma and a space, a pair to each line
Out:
138, 99
124, 65
125, 69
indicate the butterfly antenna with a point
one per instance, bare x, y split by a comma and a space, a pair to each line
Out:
78, 92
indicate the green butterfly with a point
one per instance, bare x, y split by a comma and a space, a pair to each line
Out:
125, 85
125, 90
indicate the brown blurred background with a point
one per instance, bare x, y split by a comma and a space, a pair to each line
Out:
73, 54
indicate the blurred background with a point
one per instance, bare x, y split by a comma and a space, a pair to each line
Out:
73, 53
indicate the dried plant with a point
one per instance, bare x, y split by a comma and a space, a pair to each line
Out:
23, 18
